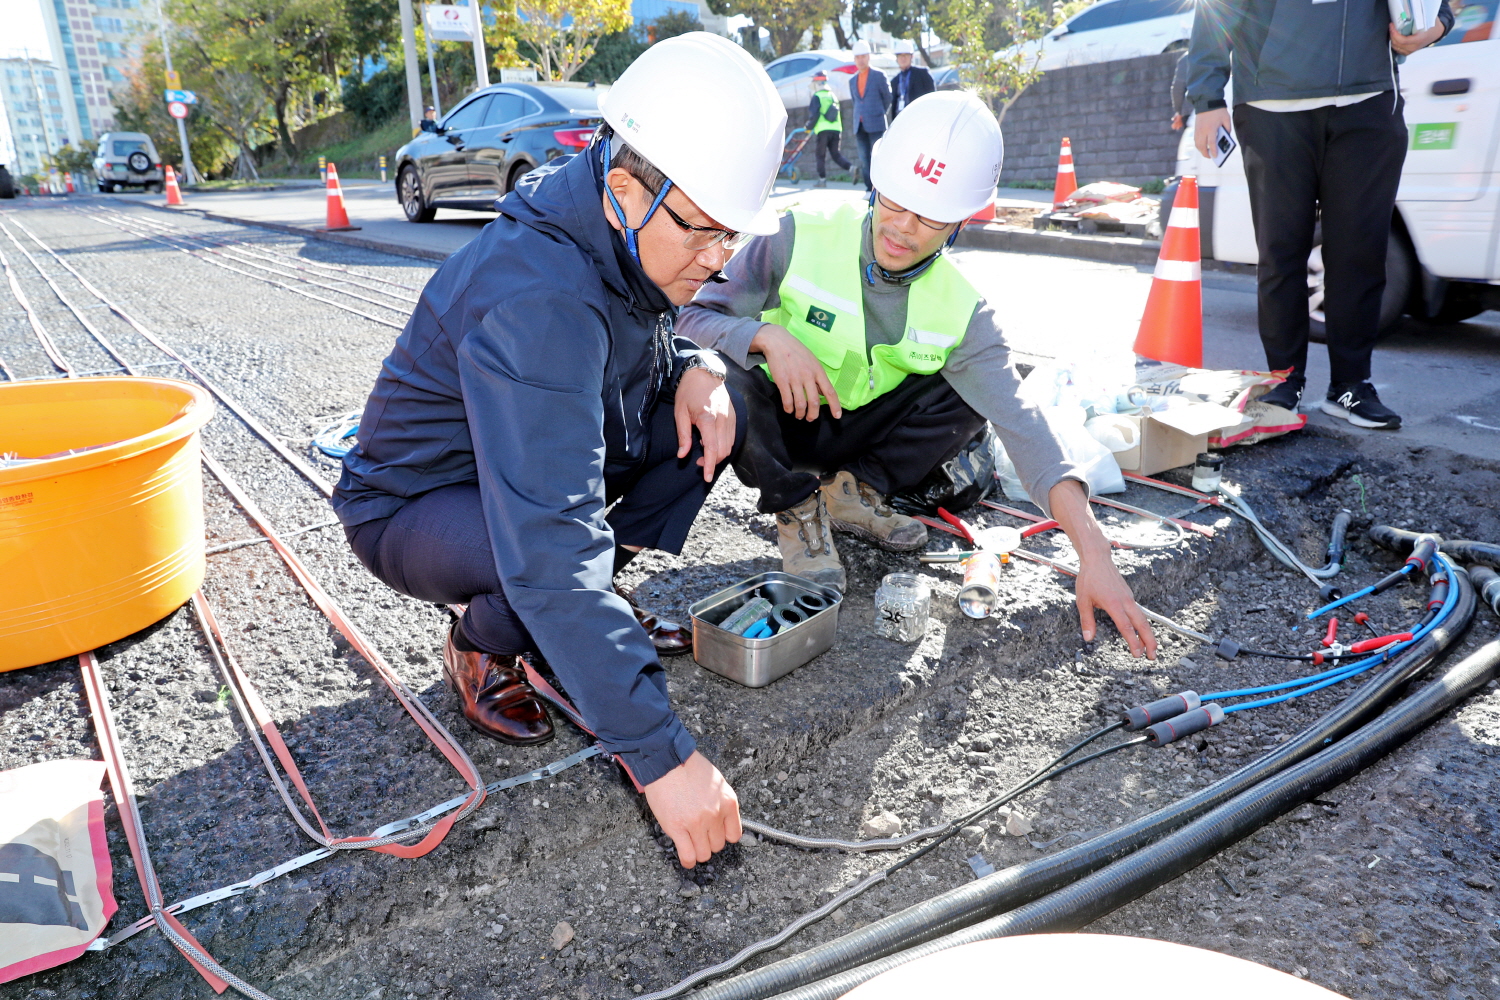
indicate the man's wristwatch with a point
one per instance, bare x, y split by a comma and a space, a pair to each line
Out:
712, 365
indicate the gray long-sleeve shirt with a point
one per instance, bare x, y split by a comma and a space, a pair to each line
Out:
726, 317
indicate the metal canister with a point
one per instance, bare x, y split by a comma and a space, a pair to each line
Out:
980, 594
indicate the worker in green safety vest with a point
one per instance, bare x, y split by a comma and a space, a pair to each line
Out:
827, 128
865, 361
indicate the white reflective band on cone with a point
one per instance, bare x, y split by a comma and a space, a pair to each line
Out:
1065, 168
1178, 270
1183, 218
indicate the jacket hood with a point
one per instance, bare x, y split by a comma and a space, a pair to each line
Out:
564, 200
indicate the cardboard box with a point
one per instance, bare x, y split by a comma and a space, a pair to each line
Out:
1172, 438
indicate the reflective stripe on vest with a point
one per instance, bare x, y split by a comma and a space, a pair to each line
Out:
825, 98
822, 305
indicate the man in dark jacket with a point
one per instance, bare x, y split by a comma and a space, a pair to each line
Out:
909, 84
871, 95
538, 382
1318, 114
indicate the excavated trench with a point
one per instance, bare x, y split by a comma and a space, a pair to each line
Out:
561, 888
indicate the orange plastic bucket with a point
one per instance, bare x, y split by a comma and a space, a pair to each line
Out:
99, 543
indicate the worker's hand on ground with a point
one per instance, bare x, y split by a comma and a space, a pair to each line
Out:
1177, 123
696, 808
1206, 129
703, 402
797, 373
1405, 45
1099, 585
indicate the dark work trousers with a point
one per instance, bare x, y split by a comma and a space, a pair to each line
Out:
867, 141
437, 547
827, 144
891, 442
1346, 162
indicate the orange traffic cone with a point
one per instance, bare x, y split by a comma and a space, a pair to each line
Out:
1172, 325
985, 214
174, 193
1067, 181
338, 218
69, 178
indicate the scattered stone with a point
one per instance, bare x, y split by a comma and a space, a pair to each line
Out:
977, 759
885, 824
562, 935
1478, 882
982, 744
688, 890
973, 834
1440, 975
1364, 938
1017, 825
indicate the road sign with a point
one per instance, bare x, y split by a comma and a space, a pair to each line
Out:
182, 96
449, 24
177, 109
173, 80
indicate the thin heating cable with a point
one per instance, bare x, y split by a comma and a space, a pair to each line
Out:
209, 246
48, 347
256, 427
281, 260
254, 277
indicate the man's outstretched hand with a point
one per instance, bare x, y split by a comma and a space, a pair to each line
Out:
1099, 584
696, 808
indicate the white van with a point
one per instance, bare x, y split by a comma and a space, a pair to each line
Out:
127, 159
1443, 262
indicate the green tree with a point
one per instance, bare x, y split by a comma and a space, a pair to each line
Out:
901, 18
787, 21
993, 44
76, 160
561, 35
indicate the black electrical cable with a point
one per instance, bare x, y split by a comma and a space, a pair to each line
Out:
1103, 891
1463, 549
1022, 883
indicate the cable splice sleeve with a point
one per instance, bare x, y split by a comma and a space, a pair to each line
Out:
1463, 549
1022, 883
1487, 582
1128, 879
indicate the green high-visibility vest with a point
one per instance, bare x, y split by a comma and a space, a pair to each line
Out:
822, 305
825, 100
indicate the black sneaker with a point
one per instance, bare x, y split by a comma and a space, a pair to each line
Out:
1286, 395
1357, 403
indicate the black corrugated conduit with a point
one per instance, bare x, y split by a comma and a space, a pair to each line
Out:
1132, 877
1020, 884
1464, 550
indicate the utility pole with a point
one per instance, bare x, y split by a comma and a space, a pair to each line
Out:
437, 106
189, 172
481, 65
413, 75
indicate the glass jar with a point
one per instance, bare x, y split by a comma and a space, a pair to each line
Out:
902, 604
1207, 472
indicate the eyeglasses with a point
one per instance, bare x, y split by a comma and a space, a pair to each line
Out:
897, 209
703, 237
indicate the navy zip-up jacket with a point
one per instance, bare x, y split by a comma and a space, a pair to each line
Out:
870, 110
531, 365
1288, 49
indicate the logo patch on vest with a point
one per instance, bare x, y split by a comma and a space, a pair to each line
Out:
820, 318
932, 171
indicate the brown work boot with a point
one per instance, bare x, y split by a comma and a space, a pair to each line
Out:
856, 509
669, 638
495, 697
807, 544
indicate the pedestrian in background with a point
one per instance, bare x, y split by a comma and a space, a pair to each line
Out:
909, 84
871, 93
1182, 109
827, 127
1320, 135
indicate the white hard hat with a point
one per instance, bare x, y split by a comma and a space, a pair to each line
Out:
941, 156
902, 47
725, 158
861, 48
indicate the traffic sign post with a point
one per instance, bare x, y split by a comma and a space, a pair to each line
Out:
182, 96
173, 79
177, 110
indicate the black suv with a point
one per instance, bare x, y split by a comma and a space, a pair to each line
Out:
482, 147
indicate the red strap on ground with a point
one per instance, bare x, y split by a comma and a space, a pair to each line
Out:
419, 712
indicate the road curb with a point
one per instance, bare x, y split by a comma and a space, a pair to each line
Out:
1109, 249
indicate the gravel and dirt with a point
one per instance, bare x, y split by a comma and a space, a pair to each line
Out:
1383, 888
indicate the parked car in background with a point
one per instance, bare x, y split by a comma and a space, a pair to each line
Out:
127, 159
1443, 259
484, 145
792, 75
1116, 29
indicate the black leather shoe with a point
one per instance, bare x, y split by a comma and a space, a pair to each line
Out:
669, 638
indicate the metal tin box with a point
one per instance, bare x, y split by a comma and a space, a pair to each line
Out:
758, 662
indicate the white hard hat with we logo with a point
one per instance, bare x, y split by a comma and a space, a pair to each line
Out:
941, 157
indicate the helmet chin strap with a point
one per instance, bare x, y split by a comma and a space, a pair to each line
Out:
631, 234
911, 272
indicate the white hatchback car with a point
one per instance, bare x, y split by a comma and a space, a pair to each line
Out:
1116, 29
792, 75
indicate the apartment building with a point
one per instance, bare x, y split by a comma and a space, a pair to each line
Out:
34, 93
95, 42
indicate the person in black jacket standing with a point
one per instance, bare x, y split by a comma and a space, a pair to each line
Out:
911, 82
1321, 135
539, 384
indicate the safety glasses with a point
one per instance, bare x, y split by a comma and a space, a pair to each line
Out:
897, 210
703, 237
